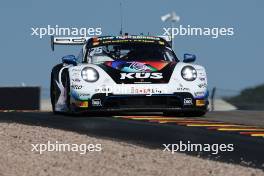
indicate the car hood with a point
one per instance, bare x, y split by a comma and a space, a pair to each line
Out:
137, 66
129, 72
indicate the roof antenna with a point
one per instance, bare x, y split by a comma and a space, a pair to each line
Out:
121, 19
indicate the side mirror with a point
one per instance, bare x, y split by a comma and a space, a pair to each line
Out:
187, 58
69, 59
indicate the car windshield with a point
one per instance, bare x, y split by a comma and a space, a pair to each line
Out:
130, 52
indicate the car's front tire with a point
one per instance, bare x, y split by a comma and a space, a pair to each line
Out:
53, 93
68, 90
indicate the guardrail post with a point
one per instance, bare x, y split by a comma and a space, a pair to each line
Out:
213, 98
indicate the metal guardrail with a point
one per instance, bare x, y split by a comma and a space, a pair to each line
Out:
19, 98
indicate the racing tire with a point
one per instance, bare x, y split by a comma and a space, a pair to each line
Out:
54, 90
53, 93
67, 90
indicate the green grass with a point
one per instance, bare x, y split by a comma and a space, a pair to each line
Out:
249, 99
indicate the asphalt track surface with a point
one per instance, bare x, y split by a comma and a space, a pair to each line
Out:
244, 129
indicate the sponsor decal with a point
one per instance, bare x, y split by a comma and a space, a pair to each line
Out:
183, 89
141, 75
144, 90
76, 80
96, 102
144, 66
203, 85
187, 101
128, 37
199, 94
202, 79
83, 104
76, 69
104, 89
84, 96
148, 91
76, 86
80, 96
138, 66
128, 73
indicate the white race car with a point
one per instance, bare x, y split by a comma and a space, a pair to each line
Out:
127, 73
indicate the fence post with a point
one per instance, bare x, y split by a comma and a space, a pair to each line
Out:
213, 98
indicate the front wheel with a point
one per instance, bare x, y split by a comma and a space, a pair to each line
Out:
60, 91
53, 93
67, 92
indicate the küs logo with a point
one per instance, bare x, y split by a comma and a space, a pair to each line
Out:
138, 66
141, 75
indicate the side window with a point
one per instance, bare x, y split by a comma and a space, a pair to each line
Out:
93, 52
169, 55
96, 51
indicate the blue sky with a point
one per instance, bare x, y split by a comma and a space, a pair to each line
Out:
233, 62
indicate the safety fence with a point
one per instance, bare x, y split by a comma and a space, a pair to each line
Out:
242, 100
19, 98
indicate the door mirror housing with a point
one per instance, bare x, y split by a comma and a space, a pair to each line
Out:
187, 58
70, 60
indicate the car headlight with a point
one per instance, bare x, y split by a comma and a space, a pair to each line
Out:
89, 74
189, 73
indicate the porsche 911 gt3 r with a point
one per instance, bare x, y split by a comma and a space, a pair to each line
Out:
127, 73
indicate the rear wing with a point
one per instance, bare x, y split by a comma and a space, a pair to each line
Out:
67, 41
82, 40
167, 38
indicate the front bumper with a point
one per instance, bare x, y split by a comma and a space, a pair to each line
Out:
180, 102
